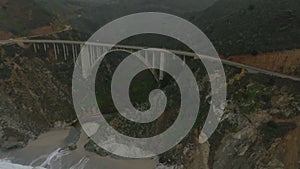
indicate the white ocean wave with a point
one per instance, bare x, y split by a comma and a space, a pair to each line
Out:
49, 162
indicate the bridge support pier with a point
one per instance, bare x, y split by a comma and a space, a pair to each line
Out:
45, 48
34, 48
67, 50
64, 50
73, 53
55, 51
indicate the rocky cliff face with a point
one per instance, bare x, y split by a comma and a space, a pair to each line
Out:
32, 97
260, 127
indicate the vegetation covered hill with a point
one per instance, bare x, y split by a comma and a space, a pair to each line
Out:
93, 15
20, 16
251, 26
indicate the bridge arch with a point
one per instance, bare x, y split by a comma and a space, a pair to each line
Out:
87, 69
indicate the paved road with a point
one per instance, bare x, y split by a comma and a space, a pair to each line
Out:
189, 54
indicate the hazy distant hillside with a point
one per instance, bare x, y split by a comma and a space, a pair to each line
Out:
19, 16
90, 15
173, 5
251, 26
64, 9
27, 17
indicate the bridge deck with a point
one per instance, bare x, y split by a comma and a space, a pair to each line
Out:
182, 53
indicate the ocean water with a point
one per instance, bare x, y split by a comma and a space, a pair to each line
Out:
52, 161
46, 152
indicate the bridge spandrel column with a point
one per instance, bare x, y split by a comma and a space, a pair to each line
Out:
94, 48
104, 50
99, 52
96, 52
153, 58
85, 61
161, 65
90, 55
147, 57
